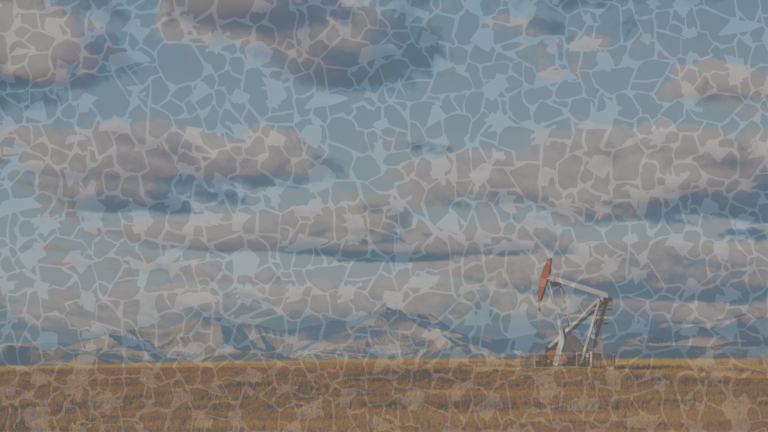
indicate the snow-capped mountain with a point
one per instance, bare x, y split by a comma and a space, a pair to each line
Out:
385, 333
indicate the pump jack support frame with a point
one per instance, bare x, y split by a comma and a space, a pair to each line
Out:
595, 313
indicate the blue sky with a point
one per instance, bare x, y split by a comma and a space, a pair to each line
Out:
317, 160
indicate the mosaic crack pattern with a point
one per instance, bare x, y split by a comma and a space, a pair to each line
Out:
246, 181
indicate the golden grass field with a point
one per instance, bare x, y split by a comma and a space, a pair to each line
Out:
362, 395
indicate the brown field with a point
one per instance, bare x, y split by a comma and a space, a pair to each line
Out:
361, 395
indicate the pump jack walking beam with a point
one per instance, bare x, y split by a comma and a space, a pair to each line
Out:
601, 294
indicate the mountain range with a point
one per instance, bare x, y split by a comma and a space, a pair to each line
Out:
385, 333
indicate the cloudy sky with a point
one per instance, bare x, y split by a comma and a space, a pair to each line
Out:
288, 162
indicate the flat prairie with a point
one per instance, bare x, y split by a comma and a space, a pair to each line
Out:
387, 395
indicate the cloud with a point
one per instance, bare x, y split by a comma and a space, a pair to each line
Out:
712, 76
451, 203
349, 46
603, 172
349, 226
466, 214
554, 75
115, 165
586, 43
45, 43
474, 224
495, 22
547, 21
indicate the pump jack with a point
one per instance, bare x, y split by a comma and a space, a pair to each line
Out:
595, 312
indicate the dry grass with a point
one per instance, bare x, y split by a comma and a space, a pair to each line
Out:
405, 395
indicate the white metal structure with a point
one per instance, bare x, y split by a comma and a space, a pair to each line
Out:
595, 313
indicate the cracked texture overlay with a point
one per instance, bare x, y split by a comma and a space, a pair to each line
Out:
334, 215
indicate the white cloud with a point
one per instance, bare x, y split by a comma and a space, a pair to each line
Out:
553, 75
712, 76
585, 44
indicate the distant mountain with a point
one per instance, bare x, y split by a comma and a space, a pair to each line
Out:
391, 333
385, 333
739, 336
